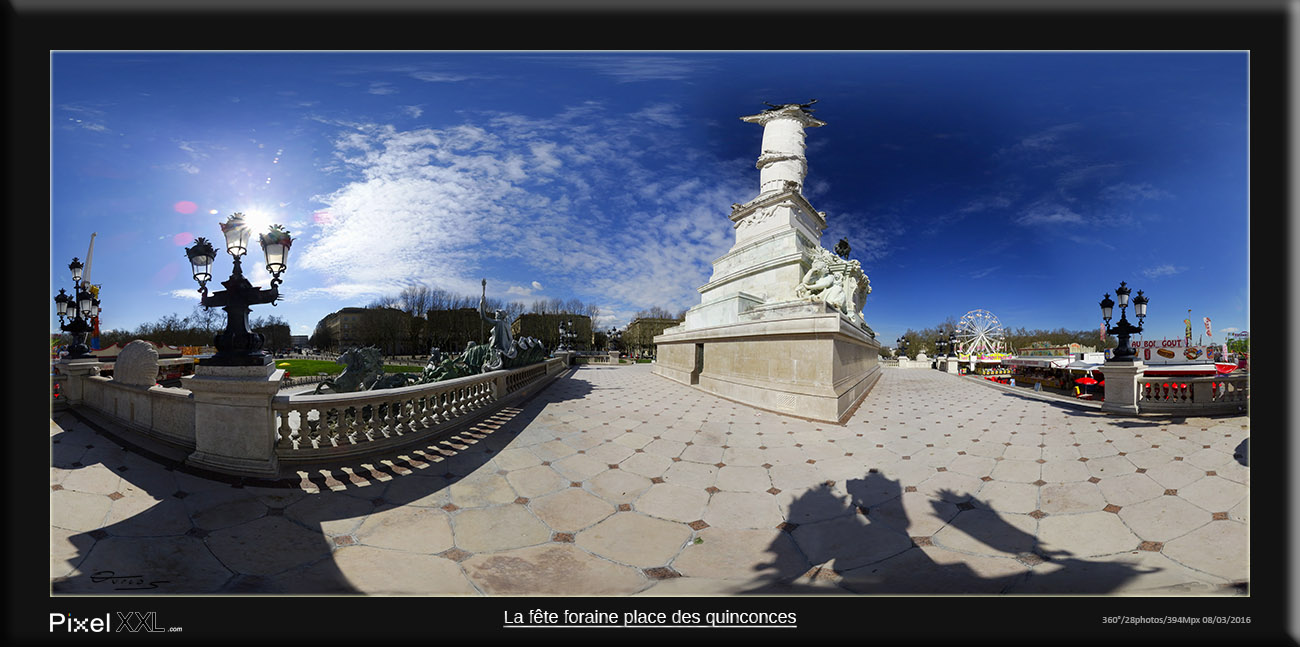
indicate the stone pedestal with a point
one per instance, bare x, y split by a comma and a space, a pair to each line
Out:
234, 425
77, 371
950, 364
1122, 386
613, 357
799, 358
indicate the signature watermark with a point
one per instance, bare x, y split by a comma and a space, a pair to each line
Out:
125, 582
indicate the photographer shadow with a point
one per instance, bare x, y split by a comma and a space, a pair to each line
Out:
874, 537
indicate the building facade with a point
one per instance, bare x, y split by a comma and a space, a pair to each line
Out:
546, 328
638, 338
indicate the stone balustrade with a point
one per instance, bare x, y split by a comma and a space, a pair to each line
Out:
306, 427
1211, 394
312, 428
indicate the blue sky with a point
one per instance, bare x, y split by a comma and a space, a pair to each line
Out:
1026, 184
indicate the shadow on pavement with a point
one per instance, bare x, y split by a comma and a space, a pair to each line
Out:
880, 539
273, 535
1242, 452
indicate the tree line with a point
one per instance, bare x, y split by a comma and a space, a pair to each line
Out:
1013, 340
199, 328
420, 317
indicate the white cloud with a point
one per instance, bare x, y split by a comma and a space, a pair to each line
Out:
413, 112
1049, 214
984, 272
1229, 329
1125, 191
629, 69
440, 77
1162, 270
1047, 139
451, 205
381, 87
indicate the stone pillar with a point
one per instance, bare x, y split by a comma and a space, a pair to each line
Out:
613, 357
950, 364
781, 159
234, 426
1122, 386
77, 371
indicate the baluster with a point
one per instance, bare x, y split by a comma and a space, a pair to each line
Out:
420, 414
391, 417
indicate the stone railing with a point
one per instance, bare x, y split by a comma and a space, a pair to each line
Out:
299, 381
307, 428
1212, 394
313, 428
160, 412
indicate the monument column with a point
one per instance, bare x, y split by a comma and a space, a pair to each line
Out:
781, 159
779, 324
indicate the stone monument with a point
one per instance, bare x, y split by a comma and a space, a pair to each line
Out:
779, 325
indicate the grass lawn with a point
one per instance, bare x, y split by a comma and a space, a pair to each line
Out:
305, 367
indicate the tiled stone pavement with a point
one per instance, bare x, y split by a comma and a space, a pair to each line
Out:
613, 481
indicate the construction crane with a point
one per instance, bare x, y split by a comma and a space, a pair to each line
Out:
94, 293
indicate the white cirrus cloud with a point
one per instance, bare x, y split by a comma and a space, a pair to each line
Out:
1049, 214
446, 206
1162, 270
1126, 191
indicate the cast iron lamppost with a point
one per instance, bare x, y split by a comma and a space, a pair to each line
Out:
901, 343
237, 345
952, 344
81, 307
1123, 328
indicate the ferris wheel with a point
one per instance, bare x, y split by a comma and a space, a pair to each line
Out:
979, 333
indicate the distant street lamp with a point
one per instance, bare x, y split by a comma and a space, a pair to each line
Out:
901, 343
237, 345
952, 344
82, 307
614, 337
1123, 329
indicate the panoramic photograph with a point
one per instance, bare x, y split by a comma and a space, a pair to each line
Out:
663, 323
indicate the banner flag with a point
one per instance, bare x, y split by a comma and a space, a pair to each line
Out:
1188, 323
1103, 332
1207, 328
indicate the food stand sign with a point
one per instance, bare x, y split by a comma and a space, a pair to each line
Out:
1170, 351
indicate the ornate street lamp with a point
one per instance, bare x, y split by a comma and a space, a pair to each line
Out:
952, 344
80, 306
237, 345
1123, 329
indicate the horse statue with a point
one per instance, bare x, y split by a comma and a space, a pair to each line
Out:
362, 369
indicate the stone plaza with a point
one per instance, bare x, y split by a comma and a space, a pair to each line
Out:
613, 481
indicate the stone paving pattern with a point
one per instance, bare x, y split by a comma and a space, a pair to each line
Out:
613, 481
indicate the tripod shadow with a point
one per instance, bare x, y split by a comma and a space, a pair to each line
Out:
182, 530
885, 540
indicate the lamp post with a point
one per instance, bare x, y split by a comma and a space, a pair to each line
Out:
1123, 329
237, 345
81, 307
952, 344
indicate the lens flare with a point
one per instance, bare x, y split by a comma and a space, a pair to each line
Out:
185, 206
183, 238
